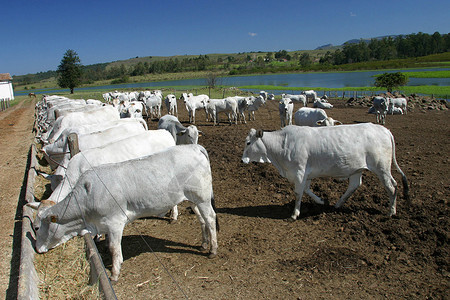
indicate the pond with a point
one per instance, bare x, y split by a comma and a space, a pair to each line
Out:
328, 80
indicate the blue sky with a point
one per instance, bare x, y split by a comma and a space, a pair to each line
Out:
36, 33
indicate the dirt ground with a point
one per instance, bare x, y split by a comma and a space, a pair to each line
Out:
351, 253
16, 124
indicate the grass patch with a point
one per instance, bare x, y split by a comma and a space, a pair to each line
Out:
428, 74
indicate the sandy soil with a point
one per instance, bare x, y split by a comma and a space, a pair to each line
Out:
16, 124
351, 253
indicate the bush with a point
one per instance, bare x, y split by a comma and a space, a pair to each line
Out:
123, 79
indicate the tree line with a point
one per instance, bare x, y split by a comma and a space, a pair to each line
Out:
385, 49
388, 48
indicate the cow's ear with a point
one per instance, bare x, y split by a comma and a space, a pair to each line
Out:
181, 132
53, 218
337, 122
259, 133
319, 123
87, 186
200, 133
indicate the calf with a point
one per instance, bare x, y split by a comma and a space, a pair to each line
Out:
171, 104
313, 117
318, 103
296, 98
227, 105
181, 134
401, 103
193, 103
380, 105
285, 107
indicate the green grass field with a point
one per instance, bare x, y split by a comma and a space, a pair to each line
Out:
428, 74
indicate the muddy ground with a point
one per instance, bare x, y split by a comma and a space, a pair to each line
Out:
351, 253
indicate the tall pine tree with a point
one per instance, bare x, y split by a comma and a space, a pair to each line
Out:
69, 70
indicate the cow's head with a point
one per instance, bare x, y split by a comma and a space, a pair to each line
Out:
49, 229
328, 122
255, 150
188, 136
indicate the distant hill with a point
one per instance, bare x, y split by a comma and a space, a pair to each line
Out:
328, 47
354, 41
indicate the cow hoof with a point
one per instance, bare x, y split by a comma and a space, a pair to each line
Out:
212, 255
290, 220
204, 247
172, 221
113, 281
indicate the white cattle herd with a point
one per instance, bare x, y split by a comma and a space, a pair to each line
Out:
124, 171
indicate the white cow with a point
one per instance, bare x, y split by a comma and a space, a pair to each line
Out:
380, 105
296, 98
47, 116
395, 111
107, 97
301, 154
58, 153
253, 104
100, 115
134, 109
193, 103
313, 117
267, 96
310, 95
242, 106
182, 135
171, 104
227, 105
401, 103
286, 108
94, 102
89, 128
107, 200
318, 103
140, 145
153, 103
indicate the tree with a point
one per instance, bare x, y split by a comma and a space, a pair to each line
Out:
391, 80
305, 60
212, 79
70, 70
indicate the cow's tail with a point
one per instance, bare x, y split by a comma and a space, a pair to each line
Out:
404, 180
213, 204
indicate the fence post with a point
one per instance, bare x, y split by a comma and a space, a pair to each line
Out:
72, 140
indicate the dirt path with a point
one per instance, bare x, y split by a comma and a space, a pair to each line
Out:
16, 135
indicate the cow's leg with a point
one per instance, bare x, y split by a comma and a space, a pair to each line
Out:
206, 213
205, 236
308, 191
174, 214
243, 118
354, 182
115, 248
300, 186
391, 187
